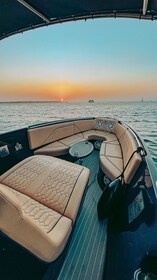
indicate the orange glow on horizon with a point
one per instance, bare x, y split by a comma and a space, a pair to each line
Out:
64, 90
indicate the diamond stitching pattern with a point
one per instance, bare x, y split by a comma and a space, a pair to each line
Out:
55, 191
57, 187
22, 177
43, 216
40, 215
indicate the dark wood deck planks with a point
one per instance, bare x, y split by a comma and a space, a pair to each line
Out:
86, 254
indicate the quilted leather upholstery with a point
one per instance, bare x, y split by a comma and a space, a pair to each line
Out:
41, 195
41, 216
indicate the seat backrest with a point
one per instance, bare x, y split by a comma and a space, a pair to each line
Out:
41, 136
83, 125
129, 145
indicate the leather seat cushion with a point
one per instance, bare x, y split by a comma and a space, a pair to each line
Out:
36, 227
95, 134
111, 149
39, 201
111, 161
129, 145
112, 167
69, 141
53, 149
114, 156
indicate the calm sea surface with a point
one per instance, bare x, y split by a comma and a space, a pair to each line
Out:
141, 116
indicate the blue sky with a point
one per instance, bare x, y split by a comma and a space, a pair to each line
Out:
102, 59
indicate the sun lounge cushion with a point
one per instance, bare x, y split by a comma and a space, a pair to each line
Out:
39, 201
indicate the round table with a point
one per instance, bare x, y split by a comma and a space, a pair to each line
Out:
81, 149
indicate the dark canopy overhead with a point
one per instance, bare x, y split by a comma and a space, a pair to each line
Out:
21, 15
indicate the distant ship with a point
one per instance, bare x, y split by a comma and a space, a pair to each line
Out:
91, 101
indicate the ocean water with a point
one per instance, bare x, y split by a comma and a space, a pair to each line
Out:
141, 116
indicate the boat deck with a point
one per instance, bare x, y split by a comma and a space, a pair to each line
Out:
86, 253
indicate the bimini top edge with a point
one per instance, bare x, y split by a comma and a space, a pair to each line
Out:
21, 15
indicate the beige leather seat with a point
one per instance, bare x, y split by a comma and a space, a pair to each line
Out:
54, 149
69, 141
114, 156
39, 201
99, 135
111, 159
129, 145
60, 147
56, 139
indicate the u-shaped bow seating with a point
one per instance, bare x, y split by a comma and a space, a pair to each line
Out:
39, 202
118, 143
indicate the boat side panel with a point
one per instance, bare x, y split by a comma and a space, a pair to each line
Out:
13, 148
131, 236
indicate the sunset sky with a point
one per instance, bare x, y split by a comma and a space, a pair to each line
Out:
107, 59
